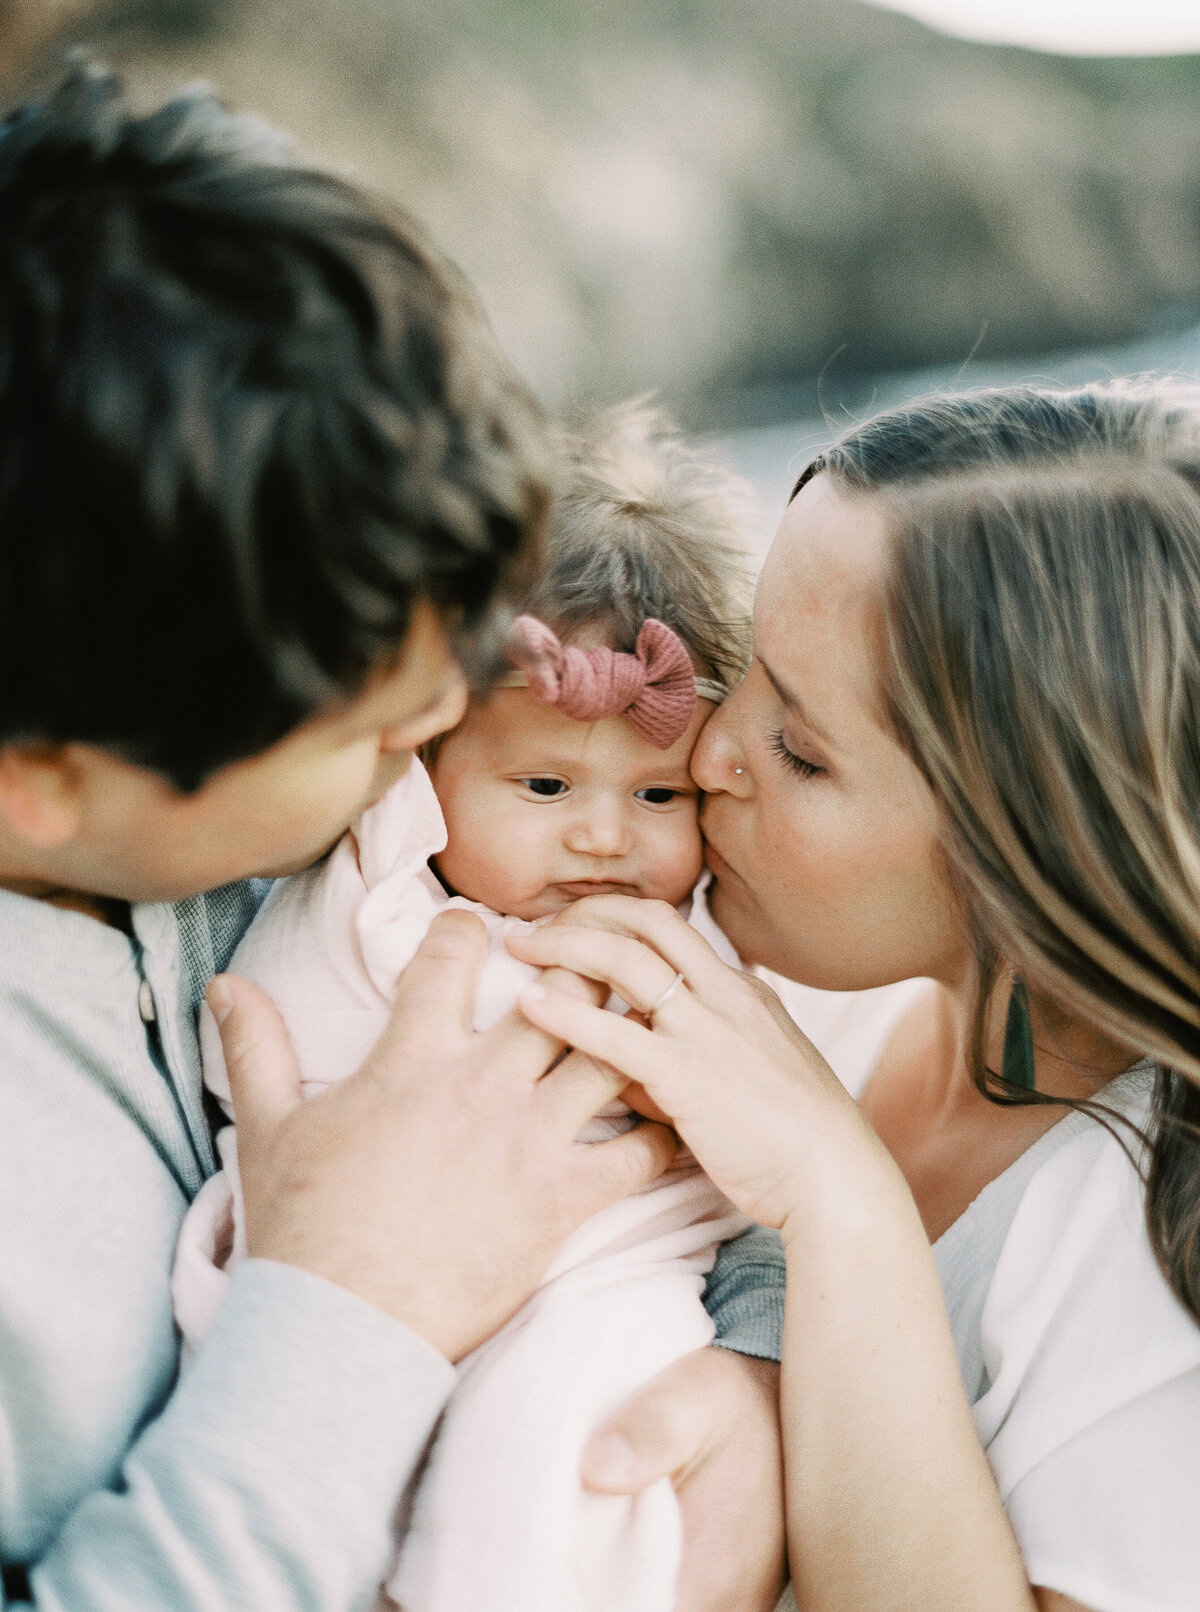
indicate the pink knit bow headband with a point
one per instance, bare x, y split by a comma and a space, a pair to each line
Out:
655, 687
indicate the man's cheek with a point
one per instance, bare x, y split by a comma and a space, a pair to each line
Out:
390, 768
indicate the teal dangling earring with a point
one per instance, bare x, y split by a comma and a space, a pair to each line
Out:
1017, 1068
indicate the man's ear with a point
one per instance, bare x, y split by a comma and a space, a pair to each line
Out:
41, 795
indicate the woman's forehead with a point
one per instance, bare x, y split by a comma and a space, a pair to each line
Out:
820, 584
831, 542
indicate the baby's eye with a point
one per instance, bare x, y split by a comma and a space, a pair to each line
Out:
658, 797
547, 788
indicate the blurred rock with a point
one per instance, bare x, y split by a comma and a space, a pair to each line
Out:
717, 201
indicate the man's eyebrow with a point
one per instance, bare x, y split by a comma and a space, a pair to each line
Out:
794, 703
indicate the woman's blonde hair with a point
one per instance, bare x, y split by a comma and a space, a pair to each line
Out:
1040, 661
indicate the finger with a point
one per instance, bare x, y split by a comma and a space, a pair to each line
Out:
611, 1038
579, 1087
654, 923
638, 975
635, 1094
662, 1430
435, 994
574, 985
264, 1078
612, 1170
640, 1100
521, 1052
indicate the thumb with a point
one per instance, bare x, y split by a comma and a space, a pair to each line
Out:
264, 1078
625, 1164
435, 994
663, 1431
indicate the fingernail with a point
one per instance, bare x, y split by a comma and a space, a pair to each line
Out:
532, 993
610, 1459
540, 923
219, 998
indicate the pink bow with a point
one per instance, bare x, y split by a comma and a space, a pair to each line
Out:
655, 687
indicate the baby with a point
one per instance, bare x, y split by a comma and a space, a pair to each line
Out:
569, 779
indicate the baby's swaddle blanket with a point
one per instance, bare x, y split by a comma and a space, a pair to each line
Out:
500, 1521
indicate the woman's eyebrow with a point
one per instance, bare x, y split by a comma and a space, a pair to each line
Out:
795, 704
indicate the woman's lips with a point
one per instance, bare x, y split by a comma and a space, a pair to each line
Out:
717, 864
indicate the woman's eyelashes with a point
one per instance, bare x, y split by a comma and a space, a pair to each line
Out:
793, 762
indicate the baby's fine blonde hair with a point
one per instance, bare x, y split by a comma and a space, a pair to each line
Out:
644, 525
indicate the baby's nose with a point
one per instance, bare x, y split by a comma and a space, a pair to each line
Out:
601, 829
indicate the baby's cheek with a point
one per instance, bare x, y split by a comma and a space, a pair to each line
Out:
501, 859
677, 858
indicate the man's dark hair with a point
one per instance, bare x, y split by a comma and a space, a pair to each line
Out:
248, 418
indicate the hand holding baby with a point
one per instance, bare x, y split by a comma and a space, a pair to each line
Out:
440, 1181
747, 1090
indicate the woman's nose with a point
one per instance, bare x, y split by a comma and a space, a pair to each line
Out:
718, 762
599, 828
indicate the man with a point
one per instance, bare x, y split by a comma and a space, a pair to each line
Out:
265, 490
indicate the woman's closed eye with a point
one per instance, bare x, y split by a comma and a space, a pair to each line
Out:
794, 763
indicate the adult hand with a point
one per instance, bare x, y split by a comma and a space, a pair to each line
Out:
710, 1423
762, 1111
891, 1502
440, 1180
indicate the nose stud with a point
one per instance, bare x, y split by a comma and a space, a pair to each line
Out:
738, 771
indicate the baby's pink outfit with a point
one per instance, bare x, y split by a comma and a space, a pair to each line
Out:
500, 1521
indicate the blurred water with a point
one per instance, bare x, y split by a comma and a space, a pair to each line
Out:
771, 457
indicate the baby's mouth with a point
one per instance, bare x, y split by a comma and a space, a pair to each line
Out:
577, 888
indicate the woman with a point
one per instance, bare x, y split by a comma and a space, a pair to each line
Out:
968, 750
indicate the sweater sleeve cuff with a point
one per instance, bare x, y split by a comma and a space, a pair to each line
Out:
308, 1410
745, 1294
753, 1325
319, 1375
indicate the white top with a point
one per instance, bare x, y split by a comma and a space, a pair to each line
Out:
1082, 1369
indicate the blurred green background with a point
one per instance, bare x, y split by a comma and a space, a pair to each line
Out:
753, 208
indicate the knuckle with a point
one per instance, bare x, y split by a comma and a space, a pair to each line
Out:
240, 1044
569, 983
454, 935
759, 989
670, 1423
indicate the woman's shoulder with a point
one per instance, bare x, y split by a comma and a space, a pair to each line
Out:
1091, 1409
1079, 1321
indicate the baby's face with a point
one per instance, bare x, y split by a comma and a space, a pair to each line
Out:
541, 809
